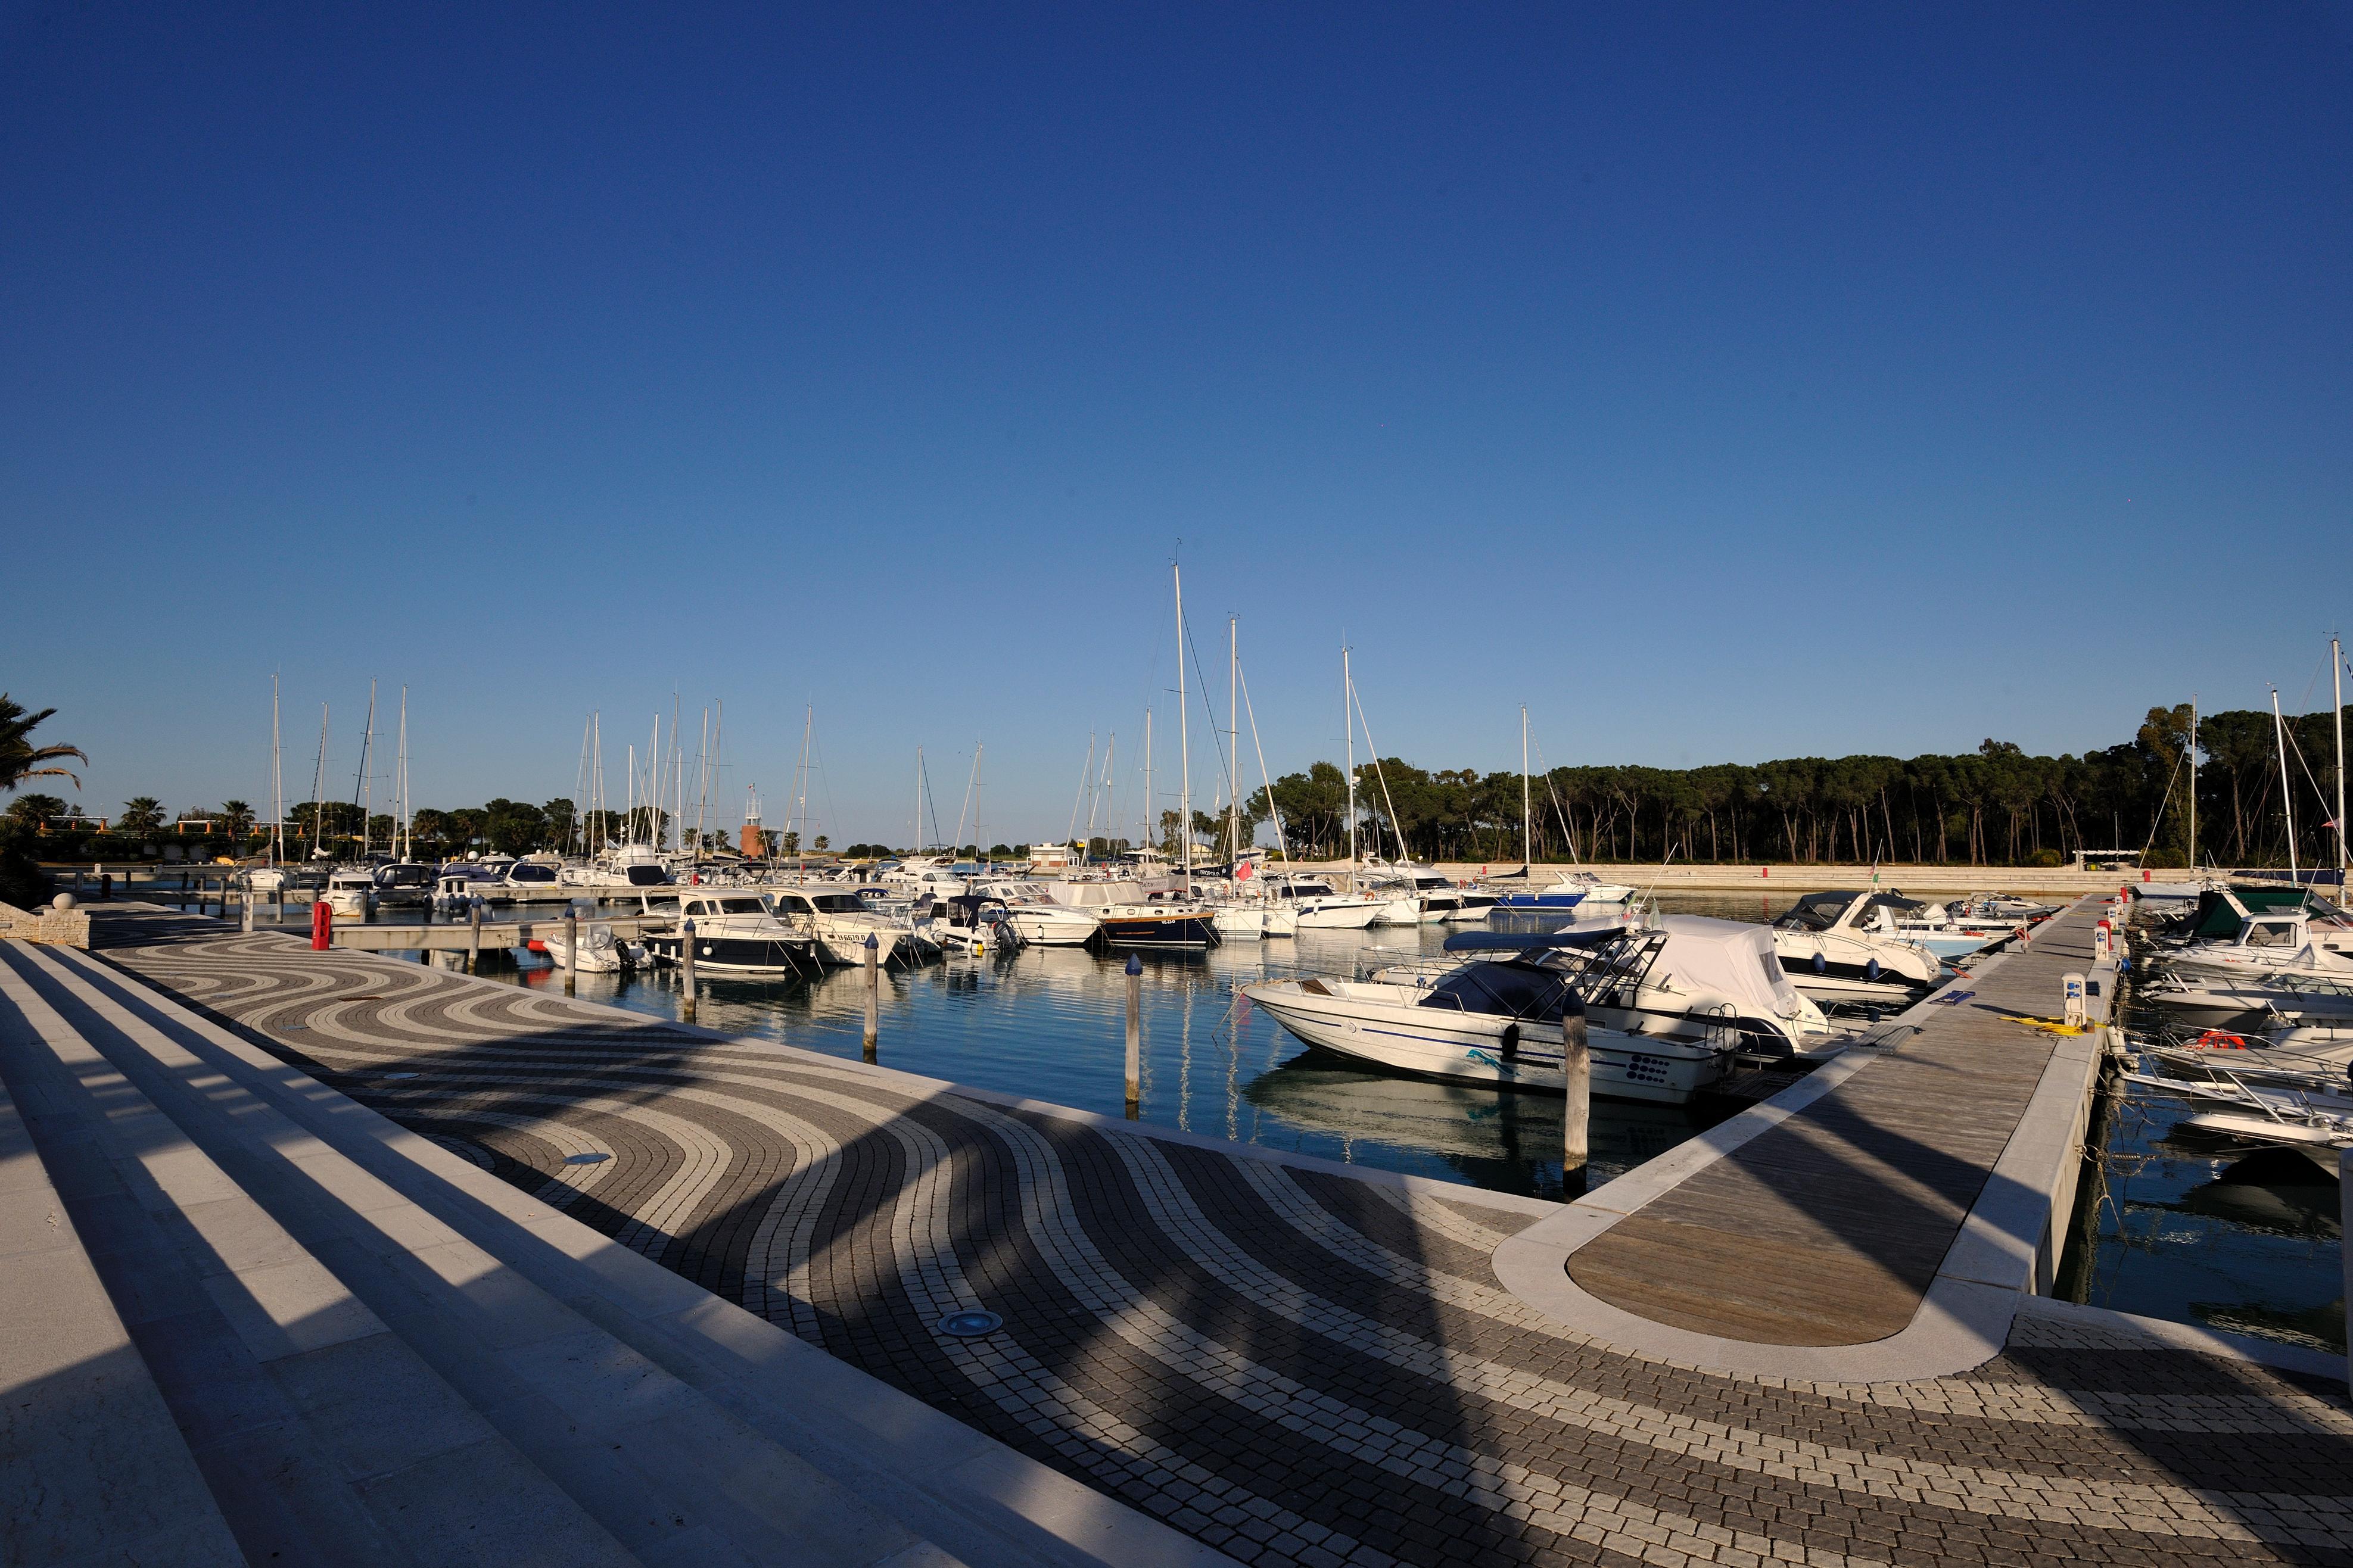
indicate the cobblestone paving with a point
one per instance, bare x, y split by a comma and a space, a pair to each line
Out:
1295, 1366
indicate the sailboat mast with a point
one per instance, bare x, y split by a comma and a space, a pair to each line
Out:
1348, 725
800, 830
1183, 739
2288, 799
402, 839
1527, 818
2337, 722
365, 795
1234, 737
1151, 825
279, 791
319, 781
2193, 787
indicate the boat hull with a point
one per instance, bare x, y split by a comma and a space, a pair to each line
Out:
739, 954
1471, 1049
1183, 930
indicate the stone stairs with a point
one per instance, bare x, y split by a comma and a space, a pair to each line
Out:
245, 1319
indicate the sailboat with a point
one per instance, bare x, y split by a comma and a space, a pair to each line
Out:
1569, 889
1176, 918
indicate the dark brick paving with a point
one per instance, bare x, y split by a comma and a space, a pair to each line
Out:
1295, 1366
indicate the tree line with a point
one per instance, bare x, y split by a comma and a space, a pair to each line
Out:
1996, 806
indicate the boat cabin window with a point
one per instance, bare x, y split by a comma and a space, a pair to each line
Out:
527, 872
838, 903
1512, 989
2271, 933
645, 875
661, 906
1309, 890
1815, 912
738, 907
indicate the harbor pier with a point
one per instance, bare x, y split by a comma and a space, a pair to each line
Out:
629, 1290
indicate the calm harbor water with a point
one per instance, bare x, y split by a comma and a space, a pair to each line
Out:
2172, 1225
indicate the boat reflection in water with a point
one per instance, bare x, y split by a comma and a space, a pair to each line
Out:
1506, 1142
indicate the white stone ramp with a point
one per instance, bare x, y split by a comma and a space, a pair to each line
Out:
92, 1468
644, 1418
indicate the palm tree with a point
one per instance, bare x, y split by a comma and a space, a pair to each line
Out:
19, 758
33, 810
140, 813
236, 819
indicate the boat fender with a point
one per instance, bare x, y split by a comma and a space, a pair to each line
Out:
1510, 1041
1821, 964
1870, 971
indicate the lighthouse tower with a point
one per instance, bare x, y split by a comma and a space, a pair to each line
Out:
753, 841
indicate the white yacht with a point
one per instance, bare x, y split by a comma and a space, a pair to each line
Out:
2278, 941
1315, 905
1686, 971
1497, 1024
1833, 944
1037, 917
350, 892
735, 934
601, 953
842, 921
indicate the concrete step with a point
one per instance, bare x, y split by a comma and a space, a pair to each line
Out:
670, 1475
862, 1454
321, 1436
92, 1468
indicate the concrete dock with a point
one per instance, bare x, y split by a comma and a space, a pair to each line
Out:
547, 1226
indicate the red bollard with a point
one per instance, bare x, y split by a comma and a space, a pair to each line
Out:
323, 927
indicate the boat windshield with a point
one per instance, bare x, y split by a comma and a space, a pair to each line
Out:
838, 903
1815, 912
643, 876
528, 872
1512, 990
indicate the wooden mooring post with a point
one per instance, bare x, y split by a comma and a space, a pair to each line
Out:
571, 948
1577, 1110
474, 946
873, 993
1135, 1037
686, 963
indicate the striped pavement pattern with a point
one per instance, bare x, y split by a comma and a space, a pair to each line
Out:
1292, 1365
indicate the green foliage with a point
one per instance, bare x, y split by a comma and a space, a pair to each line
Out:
1995, 806
19, 758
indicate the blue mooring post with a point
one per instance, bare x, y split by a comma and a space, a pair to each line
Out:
1135, 1036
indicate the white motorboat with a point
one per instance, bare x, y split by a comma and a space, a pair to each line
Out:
1498, 1025
1833, 944
2279, 941
601, 953
973, 925
1687, 971
1038, 917
622, 866
736, 932
842, 921
1315, 905
1934, 928
350, 892
1240, 920
2275, 998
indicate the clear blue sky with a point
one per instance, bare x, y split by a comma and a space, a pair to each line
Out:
1721, 382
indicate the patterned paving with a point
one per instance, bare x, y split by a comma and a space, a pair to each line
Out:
1295, 1366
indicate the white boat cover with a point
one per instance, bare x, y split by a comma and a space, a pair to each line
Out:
1735, 957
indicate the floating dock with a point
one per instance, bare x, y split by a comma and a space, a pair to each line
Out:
673, 1296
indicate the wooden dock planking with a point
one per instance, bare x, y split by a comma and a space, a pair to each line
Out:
1828, 1228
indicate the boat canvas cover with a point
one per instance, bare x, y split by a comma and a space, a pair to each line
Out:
2218, 917
1735, 957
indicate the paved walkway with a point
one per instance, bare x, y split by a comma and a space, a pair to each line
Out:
1290, 1362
